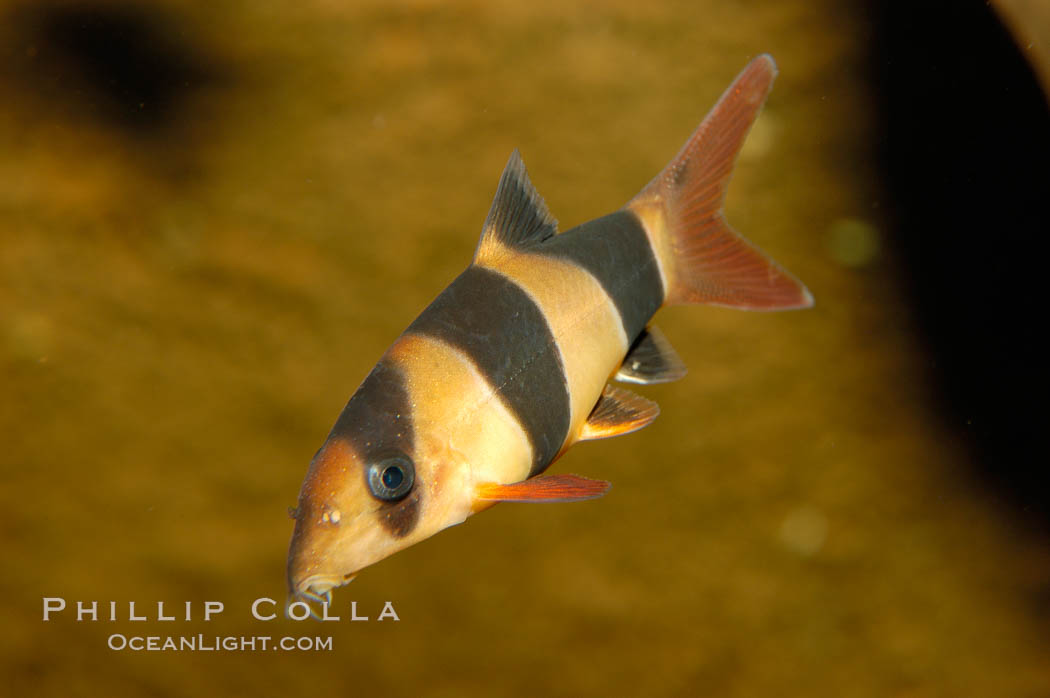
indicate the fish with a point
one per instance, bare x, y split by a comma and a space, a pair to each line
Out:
511, 364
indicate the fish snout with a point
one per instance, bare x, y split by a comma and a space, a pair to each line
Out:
328, 548
319, 587
312, 573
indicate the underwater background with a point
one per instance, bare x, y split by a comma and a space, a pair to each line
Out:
215, 217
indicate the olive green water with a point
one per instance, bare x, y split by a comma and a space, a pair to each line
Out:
186, 304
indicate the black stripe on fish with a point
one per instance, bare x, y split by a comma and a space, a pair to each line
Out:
505, 334
616, 251
401, 517
378, 418
377, 422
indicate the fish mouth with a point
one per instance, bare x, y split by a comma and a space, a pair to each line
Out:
319, 587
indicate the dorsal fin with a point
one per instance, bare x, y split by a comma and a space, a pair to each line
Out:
651, 359
518, 216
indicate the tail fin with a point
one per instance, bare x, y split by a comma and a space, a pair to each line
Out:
703, 259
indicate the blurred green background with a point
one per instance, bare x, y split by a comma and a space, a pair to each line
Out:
215, 217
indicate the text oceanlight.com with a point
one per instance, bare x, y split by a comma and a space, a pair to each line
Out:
215, 643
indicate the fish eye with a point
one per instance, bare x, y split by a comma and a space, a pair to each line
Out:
390, 479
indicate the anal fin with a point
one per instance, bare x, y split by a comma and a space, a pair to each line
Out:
546, 488
618, 412
651, 359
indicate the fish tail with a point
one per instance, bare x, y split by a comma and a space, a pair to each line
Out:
702, 259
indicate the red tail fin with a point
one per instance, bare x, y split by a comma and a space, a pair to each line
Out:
705, 260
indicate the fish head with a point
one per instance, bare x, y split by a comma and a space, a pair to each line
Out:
358, 506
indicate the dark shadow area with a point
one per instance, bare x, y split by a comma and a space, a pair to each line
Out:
131, 66
965, 153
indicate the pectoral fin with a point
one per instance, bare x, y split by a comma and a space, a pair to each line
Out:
618, 412
651, 359
547, 488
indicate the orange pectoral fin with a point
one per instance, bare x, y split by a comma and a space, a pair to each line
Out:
548, 488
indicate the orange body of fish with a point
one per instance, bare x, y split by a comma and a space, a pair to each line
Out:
510, 365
